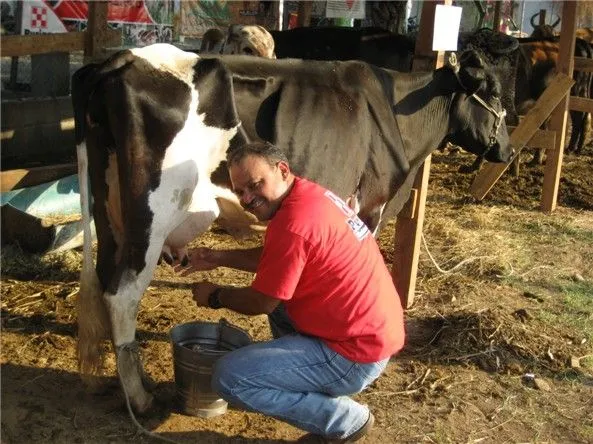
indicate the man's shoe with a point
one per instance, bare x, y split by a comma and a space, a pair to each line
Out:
360, 433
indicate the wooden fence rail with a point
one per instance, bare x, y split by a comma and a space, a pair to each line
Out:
94, 39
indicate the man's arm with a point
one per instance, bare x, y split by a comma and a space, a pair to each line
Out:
204, 259
244, 259
243, 300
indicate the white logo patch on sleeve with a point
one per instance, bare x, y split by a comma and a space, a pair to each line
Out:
357, 226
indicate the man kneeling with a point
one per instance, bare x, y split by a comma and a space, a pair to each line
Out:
333, 309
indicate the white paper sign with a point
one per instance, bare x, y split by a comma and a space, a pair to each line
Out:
39, 18
446, 28
352, 9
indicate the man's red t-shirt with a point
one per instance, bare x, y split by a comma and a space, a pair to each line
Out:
323, 262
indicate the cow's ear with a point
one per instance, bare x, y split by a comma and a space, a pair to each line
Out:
472, 72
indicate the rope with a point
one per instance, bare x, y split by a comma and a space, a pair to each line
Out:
451, 270
133, 346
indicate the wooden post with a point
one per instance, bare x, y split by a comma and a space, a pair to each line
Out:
497, 13
94, 32
408, 228
558, 119
98, 35
481, 13
542, 17
14, 61
304, 13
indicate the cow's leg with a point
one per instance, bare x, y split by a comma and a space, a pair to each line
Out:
92, 319
475, 166
179, 211
516, 165
537, 159
577, 136
122, 304
585, 132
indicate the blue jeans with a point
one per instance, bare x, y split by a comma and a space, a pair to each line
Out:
297, 379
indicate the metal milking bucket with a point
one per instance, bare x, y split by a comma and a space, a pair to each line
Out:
196, 348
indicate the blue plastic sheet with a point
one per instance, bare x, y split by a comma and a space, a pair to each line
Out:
60, 197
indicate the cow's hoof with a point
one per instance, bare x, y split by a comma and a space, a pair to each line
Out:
159, 408
101, 386
149, 384
145, 407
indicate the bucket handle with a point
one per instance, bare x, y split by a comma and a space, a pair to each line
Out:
223, 325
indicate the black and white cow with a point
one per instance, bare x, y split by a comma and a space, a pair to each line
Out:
155, 124
152, 124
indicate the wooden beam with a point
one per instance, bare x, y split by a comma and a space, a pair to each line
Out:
497, 14
580, 104
554, 93
304, 13
28, 177
542, 17
14, 60
32, 44
583, 64
408, 227
21, 45
541, 139
558, 119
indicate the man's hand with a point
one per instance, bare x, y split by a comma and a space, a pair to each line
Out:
201, 291
200, 259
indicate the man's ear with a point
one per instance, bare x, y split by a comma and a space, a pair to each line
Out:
284, 168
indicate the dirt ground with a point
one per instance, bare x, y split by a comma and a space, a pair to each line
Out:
493, 355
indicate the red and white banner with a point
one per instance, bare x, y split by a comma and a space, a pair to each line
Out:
118, 11
39, 18
142, 22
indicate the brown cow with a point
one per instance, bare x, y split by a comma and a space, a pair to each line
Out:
241, 40
546, 31
249, 40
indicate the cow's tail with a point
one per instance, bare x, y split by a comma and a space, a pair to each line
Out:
93, 322
91, 313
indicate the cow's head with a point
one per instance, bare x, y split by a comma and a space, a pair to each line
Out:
249, 40
543, 30
478, 118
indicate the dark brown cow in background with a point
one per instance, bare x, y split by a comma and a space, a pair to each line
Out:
546, 31
369, 44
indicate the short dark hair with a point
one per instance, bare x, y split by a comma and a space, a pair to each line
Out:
271, 153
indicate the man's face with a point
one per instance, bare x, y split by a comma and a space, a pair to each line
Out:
259, 185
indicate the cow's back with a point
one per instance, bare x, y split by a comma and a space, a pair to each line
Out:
321, 114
